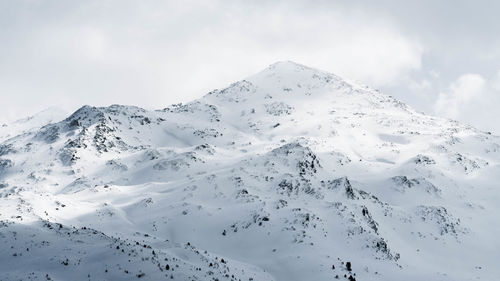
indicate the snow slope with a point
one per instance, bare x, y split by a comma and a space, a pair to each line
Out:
290, 174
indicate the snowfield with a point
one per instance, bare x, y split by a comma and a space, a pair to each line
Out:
290, 174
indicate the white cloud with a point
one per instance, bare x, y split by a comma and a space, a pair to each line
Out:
460, 94
472, 99
153, 53
495, 83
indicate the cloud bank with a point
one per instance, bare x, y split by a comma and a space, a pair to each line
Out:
154, 53
472, 99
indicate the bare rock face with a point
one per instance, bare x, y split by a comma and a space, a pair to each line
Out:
5, 164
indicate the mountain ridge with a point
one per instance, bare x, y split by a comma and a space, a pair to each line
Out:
286, 175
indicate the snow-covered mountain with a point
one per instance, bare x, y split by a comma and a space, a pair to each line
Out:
290, 174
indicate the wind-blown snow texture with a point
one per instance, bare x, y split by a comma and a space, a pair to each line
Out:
290, 174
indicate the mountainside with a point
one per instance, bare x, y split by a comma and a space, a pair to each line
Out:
290, 174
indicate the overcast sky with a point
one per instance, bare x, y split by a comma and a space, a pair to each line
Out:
441, 57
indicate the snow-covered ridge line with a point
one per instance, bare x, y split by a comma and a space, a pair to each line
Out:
289, 174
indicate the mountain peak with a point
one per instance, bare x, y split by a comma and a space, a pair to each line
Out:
290, 76
287, 64
291, 84
289, 67
294, 161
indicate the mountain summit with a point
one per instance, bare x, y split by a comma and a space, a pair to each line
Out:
290, 174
